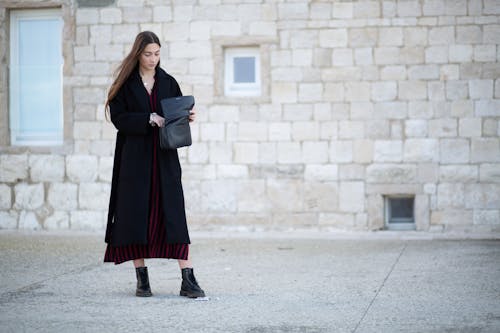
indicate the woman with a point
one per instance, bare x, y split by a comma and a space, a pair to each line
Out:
146, 217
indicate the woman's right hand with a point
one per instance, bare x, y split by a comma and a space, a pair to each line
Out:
158, 120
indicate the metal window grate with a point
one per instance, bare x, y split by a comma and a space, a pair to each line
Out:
399, 213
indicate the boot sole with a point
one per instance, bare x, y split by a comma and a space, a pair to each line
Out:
189, 295
143, 294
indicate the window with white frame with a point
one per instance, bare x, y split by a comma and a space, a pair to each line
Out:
242, 71
35, 85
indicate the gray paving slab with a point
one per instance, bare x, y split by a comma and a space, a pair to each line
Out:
53, 282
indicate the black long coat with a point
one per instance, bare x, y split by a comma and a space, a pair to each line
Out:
130, 186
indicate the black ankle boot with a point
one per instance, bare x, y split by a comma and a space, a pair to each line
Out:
143, 289
190, 287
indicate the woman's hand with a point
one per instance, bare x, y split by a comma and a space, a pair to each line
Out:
158, 120
192, 115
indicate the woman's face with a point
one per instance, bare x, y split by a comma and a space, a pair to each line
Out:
150, 56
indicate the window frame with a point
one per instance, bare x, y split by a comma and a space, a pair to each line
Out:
16, 139
233, 89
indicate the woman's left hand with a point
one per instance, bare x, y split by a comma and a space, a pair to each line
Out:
192, 115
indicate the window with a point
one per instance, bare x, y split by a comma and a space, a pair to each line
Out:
35, 86
242, 72
399, 213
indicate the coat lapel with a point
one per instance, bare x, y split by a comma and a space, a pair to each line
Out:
139, 92
161, 90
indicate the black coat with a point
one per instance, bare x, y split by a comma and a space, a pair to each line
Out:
130, 186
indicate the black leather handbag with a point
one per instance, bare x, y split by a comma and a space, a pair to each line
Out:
176, 132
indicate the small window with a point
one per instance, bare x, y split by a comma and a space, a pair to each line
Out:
399, 213
35, 85
242, 72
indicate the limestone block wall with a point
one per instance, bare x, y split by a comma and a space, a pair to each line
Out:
360, 100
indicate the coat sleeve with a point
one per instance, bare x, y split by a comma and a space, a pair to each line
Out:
126, 121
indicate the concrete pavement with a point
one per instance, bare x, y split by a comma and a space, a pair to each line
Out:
365, 282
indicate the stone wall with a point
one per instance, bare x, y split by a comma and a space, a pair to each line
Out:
361, 99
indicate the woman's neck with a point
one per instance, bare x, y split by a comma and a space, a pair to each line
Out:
146, 72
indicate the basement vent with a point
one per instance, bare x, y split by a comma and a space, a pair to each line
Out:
95, 3
399, 213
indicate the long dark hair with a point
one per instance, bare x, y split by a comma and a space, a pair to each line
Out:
128, 64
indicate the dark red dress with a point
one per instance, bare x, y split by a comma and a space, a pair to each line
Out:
156, 246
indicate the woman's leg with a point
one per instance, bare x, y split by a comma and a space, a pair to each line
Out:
185, 263
139, 263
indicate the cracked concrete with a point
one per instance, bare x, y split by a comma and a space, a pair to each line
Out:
56, 282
